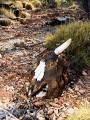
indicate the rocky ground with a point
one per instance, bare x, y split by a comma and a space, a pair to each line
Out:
20, 48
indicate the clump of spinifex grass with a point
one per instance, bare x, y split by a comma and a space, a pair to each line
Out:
7, 12
31, 4
5, 21
81, 112
79, 50
18, 4
36, 3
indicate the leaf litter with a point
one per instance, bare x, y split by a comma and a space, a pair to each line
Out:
16, 63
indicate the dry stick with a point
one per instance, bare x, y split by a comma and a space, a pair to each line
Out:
9, 114
30, 46
13, 37
36, 44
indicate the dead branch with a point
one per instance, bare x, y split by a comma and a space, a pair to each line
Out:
17, 35
36, 44
9, 114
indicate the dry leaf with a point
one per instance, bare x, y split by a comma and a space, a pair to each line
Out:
54, 105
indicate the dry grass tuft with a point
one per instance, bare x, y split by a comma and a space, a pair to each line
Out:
28, 5
18, 4
81, 112
8, 13
24, 14
36, 3
5, 22
79, 50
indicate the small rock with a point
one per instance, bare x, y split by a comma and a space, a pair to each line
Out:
71, 90
84, 73
82, 91
76, 88
2, 115
78, 93
54, 117
47, 105
62, 114
0, 56
56, 112
39, 103
42, 49
60, 118
0, 77
41, 112
80, 82
54, 105
40, 115
21, 118
27, 84
40, 118
56, 100
1, 104
70, 111
50, 111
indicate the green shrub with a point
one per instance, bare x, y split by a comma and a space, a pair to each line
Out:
79, 50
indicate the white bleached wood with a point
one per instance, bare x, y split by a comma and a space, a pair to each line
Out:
39, 72
62, 47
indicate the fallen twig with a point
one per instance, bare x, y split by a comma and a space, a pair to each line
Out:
6, 112
17, 35
36, 44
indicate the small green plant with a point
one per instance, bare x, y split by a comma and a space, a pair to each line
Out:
79, 50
